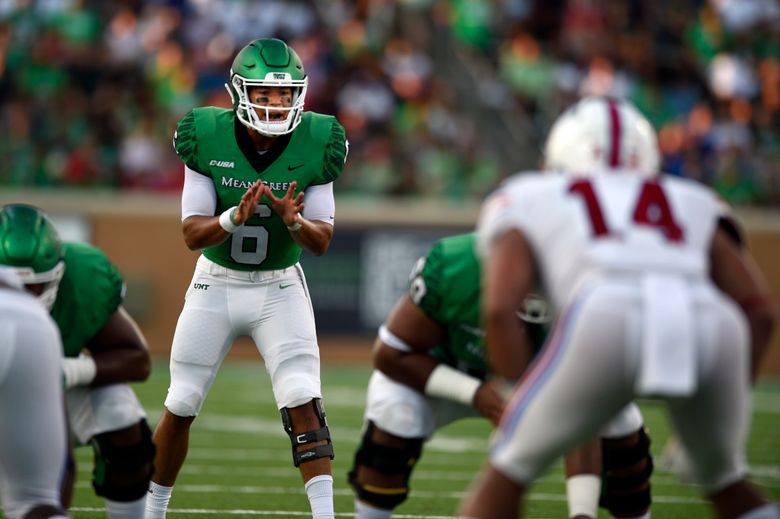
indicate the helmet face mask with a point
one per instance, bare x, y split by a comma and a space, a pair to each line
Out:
598, 134
43, 284
267, 63
30, 245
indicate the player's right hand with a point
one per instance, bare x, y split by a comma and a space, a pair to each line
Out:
248, 204
489, 400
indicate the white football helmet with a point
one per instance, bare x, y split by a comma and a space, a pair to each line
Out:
601, 133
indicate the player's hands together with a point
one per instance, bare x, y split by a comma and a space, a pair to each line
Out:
289, 206
489, 400
248, 204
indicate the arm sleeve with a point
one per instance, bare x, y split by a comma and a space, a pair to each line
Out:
198, 197
320, 204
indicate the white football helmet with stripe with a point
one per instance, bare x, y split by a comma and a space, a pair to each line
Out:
601, 133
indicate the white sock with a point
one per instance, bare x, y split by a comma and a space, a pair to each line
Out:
126, 509
320, 492
366, 511
157, 499
768, 511
645, 515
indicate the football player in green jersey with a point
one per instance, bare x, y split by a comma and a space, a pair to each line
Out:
103, 351
431, 370
33, 434
247, 171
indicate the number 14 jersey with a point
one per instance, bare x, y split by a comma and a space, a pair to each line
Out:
616, 223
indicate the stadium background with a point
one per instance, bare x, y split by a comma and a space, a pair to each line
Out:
440, 99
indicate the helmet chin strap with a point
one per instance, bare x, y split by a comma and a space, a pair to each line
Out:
269, 127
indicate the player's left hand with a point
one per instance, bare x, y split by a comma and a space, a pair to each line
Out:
289, 206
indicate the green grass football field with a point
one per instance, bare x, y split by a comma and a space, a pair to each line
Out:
239, 463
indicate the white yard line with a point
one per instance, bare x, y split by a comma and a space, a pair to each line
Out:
275, 513
342, 492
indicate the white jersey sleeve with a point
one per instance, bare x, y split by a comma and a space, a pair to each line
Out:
320, 204
506, 209
198, 196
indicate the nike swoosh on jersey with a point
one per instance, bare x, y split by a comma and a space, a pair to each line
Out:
285, 286
290, 167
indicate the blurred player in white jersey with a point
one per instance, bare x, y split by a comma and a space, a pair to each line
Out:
626, 256
33, 438
431, 370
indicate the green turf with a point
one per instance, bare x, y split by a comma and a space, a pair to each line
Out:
239, 463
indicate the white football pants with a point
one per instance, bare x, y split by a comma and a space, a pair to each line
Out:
588, 371
273, 307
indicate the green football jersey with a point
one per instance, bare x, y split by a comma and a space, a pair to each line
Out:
90, 291
445, 285
214, 143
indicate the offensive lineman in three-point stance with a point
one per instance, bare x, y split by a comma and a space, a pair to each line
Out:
103, 350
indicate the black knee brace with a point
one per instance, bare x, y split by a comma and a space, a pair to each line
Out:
43, 512
316, 452
627, 470
388, 460
122, 473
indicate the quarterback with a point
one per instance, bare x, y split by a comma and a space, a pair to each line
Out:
431, 370
247, 171
103, 351
632, 261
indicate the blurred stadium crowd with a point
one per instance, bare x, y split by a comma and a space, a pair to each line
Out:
90, 90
